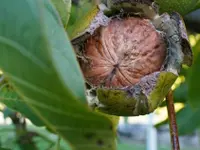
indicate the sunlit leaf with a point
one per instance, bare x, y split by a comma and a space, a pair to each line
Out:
79, 18
37, 57
181, 6
64, 8
187, 120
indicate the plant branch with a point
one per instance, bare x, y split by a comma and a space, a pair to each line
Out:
172, 121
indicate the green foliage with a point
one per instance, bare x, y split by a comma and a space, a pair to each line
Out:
198, 5
188, 93
64, 9
84, 9
43, 141
45, 73
194, 81
12, 100
187, 120
46, 84
181, 93
181, 6
4, 148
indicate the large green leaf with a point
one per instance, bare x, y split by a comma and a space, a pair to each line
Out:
12, 100
4, 148
78, 10
37, 57
181, 6
181, 93
80, 17
194, 80
198, 5
188, 120
63, 7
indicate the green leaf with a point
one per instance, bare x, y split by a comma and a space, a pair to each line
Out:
44, 139
181, 6
81, 15
194, 80
198, 5
188, 120
4, 148
7, 112
64, 9
12, 100
78, 11
181, 93
37, 57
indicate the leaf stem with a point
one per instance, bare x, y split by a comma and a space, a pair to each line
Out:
172, 121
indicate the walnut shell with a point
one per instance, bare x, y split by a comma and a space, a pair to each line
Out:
121, 53
131, 56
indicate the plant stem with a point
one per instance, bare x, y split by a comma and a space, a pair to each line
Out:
172, 121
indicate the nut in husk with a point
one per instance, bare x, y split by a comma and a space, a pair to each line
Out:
130, 56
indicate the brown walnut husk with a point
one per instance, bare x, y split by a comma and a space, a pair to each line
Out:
132, 56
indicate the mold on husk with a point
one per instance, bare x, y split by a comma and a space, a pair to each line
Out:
130, 56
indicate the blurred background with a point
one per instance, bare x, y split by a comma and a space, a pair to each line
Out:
149, 132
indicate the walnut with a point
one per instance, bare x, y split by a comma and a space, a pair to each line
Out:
121, 53
131, 56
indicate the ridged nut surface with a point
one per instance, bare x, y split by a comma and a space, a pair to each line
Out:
123, 52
